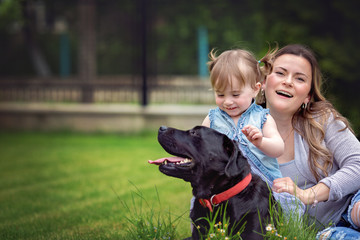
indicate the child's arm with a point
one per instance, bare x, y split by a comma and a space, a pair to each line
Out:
269, 142
206, 122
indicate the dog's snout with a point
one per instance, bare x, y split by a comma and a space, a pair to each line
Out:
163, 129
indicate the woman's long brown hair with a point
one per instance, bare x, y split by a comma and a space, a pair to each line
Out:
311, 122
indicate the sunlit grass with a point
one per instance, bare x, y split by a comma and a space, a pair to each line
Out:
100, 186
70, 186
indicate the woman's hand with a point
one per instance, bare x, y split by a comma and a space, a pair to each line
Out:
286, 184
317, 193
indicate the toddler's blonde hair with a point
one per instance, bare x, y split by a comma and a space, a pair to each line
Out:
236, 63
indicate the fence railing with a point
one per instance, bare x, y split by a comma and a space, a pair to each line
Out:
123, 89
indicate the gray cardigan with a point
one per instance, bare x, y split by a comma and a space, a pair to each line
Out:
343, 179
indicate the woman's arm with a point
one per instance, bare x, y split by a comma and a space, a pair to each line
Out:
344, 177
268, 141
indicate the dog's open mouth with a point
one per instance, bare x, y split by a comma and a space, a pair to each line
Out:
177, 161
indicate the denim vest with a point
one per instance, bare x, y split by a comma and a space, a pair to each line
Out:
255, 115
265, 167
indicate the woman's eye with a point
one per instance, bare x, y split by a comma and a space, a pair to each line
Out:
301, 79
279, 73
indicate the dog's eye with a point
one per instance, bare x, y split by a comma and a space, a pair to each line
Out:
193, 133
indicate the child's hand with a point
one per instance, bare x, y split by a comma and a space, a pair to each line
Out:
253, 134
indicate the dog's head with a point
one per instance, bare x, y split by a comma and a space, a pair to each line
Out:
204, 157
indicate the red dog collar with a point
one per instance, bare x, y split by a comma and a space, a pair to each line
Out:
216, 199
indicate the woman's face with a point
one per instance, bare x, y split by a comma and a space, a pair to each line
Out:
288, 86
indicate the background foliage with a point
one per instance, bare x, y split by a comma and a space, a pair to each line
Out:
329, 27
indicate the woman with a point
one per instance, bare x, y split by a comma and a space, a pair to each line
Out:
321, 162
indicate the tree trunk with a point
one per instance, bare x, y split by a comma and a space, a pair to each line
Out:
40, 65
87, 47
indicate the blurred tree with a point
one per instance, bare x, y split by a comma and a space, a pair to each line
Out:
87, 47
11, 44
331, 29
230, 24
36, 55
118, 37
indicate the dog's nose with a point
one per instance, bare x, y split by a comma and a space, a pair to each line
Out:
162, 129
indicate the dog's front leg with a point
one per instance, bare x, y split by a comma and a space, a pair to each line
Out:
199, 229
200, 226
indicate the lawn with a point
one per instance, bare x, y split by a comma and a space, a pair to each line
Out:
74, 186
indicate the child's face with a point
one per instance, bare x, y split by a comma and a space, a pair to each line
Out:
234, 100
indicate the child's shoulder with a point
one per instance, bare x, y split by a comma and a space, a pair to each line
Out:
259, 108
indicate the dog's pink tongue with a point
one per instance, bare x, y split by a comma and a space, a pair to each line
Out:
169, 159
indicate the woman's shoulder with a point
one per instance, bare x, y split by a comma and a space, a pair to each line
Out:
325, 113
331, 119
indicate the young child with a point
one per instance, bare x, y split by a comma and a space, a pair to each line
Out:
235, 78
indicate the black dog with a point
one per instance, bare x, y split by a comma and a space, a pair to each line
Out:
213, 164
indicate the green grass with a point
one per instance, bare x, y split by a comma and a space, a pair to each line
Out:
73, 186
99, 186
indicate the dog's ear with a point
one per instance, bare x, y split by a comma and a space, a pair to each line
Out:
234, 166
228, 145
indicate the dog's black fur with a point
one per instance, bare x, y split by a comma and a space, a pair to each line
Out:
217, 165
